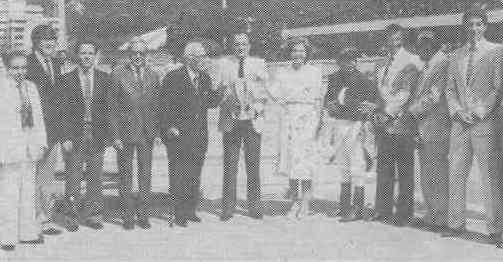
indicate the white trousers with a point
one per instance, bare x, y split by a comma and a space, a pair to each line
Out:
17, 203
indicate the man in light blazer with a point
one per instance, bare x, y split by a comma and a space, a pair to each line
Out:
135, 124
395, 131
241, 121
86, 120
473, 93
434, 125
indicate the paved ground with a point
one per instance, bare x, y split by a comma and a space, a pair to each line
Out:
275, 238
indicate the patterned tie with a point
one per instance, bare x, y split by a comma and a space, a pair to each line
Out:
195, 82
241, 71
26, 109
87, 95
48, 66
469, 66
386, 70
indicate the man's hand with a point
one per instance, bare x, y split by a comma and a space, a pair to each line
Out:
367, 107
465, 117
118, 145
42, 151
68, 146
173, 132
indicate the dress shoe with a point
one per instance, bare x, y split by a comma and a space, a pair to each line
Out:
181, 222
51, 231
225, 217
71, 225
453, 232
493, 238
255, 214
128, 225
194, 218
94, 225
38, 241
380, 218
8, 247
144, 224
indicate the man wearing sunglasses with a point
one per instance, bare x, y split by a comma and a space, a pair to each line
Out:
473, 91
134, 124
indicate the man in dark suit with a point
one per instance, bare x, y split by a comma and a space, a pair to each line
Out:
185, 97
135, 125
86, 116
44, 71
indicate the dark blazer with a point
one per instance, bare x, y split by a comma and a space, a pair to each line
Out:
135, 107
357, 90
49, 96
73, 107
185, 108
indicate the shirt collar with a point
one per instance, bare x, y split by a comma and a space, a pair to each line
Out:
41, 58
192, 74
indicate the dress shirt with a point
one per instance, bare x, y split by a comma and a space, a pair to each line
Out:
87, 99
46, 63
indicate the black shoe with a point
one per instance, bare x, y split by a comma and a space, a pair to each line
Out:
144, 224
181, 222
51, 232
453, 232
194, 218
226, 216
71, 224
94, 225
494, 239
499, 244
38, 241
8, 247
128, 225
380, 218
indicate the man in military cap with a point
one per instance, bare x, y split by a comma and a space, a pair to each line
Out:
44, 71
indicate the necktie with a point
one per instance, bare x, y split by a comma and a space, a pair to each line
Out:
241, 71
469, 66
195, 82
26, 109
87, 96
49, 69
385, 75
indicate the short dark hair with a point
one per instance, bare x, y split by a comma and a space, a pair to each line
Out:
85, 42
393, 29
292, 42
42, 32
475, 12
9, 56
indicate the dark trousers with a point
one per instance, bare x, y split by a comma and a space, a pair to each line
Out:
125, 160
395, 153
242, 133
89, 153
185, 166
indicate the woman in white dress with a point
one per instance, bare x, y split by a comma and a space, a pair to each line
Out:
23, 143
298, 92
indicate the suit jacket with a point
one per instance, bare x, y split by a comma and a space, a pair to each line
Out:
185, 108
255, 77
73, 108
135, 107
434, 123
481, 95
396, 88
49, 97
356, 88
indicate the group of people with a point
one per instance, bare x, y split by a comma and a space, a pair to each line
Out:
446, 105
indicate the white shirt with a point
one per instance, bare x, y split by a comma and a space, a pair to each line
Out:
192, 76
82, 76
482, 47
48, 67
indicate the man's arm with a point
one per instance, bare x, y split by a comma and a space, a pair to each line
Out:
488, 104
168, 108
113, 96
451, 92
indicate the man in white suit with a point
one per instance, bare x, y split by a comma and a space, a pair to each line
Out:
241, 120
